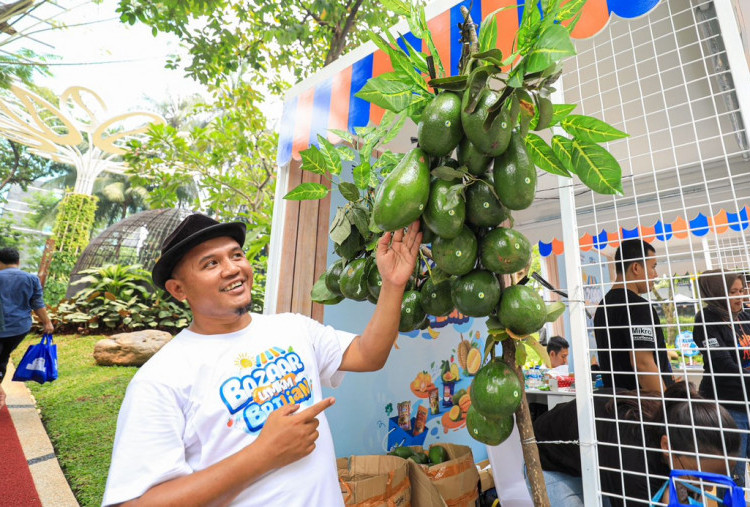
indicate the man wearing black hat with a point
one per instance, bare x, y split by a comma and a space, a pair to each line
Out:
231, 410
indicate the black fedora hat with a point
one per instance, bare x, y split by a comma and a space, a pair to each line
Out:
192, 231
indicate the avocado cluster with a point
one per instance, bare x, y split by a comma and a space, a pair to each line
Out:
464, 205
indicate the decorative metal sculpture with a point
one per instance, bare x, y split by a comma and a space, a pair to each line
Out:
79, 133
135, 240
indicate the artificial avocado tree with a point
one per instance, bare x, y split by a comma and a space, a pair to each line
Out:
488, 116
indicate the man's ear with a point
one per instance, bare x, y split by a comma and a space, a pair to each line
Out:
175, 288
664, 444
635, 270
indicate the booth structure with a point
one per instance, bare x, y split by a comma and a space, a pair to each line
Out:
673, 74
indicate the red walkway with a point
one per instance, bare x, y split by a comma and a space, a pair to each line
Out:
16, 484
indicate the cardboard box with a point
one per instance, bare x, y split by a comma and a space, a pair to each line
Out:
375, 481
453, 483
486, 480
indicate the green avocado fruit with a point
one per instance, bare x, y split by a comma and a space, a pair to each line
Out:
332, 276
476, 162
505, 251
492, 140
353, 280
401, 452
412, 314
436, 298
439, 130
522, 310
446, 209
483, 209
476, 293
515, 175
489, 431
495, 390
456, 256
438, 455
402, 196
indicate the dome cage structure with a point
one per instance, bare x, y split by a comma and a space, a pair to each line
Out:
134, 240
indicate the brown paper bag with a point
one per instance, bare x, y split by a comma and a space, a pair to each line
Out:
456, 479
374, 481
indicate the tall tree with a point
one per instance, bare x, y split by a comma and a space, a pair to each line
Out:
19, 167
231, 159
300, 36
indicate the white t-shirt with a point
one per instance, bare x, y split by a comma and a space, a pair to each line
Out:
203, 398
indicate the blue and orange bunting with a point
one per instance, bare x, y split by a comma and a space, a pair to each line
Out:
680, 228
330, 103
545, 249
601, 241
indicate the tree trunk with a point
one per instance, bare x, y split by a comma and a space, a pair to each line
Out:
526, 430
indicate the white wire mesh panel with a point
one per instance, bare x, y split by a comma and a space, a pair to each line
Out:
664, 79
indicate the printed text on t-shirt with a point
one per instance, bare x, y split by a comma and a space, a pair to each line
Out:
270, 385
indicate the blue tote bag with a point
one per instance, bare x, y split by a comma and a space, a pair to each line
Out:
39, 363
734, 495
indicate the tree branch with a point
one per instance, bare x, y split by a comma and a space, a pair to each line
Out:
16, 163
339, 37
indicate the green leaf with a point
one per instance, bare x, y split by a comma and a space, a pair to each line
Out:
560, 111
394, 129
553, 45
431, 44
555, 310
360, 218
362, 175
453, 83
591, 129
398, 6
597, 168
520, 355
493, 56
544, 111
314, 161
489, 349
488, 32
349, 191
493, 323
330, 155
530, 24
345, 153
570, 9
340, 227
416, 57
383, 91
563, 149
453, 195
320, 293
446, 173
307, 192
538, 348
343, 134
543, 156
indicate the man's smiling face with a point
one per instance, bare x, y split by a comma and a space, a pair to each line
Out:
215, 278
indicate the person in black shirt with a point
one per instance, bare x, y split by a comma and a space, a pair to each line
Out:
721, 337
629, 341
635, 438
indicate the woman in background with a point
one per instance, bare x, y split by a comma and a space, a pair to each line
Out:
725, 345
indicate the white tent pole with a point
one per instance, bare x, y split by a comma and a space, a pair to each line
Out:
738, 65
578, 333
276, 246
580, 344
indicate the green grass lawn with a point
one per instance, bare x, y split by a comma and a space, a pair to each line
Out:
79, 410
